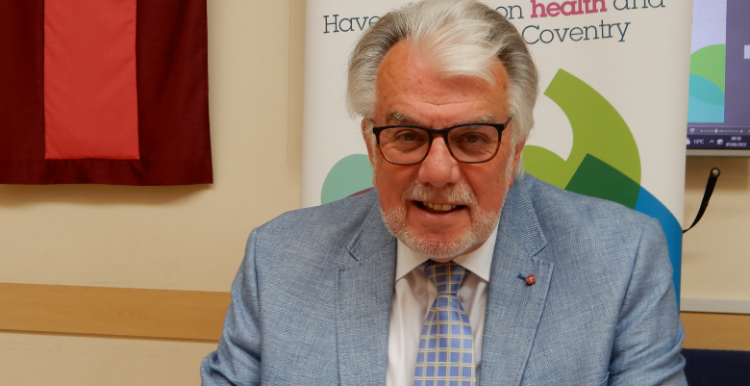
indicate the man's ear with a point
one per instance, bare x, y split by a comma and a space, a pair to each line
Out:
516, 159
517, 155
370, 150
368, 143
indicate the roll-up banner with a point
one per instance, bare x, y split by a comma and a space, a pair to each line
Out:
610, 118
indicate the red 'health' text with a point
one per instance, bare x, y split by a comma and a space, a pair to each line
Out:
567, 8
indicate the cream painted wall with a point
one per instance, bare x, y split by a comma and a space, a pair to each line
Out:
36, 360
182, 238
716, 253
187, 237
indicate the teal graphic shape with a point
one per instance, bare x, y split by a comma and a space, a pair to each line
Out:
604, 161
707, 85
699, 111
350, 175
598, 129
705, 91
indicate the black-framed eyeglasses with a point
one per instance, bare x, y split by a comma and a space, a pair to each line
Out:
470, 143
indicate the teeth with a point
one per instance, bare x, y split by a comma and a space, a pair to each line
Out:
440, 207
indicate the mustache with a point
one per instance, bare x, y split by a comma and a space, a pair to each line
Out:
456, 194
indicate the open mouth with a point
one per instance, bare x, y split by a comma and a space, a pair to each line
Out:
438, 208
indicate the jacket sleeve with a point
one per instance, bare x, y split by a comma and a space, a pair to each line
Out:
649, 334
237, 359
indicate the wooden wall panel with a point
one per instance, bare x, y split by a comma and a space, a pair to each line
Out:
193, 315
716, 331
188, 315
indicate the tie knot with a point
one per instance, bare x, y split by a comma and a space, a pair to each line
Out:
446, 277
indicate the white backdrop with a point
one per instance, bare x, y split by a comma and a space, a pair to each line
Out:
621, 87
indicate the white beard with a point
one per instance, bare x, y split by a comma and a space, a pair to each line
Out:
483, 222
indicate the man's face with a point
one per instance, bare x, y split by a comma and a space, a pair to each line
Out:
418, 200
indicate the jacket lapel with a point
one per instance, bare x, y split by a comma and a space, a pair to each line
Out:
514, 308
364, 304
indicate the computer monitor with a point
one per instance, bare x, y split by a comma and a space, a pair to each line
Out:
719, 101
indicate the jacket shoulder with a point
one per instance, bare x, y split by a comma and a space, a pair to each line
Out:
556, 207
316, 233
341, 214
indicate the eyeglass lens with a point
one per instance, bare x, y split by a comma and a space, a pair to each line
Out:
406, 145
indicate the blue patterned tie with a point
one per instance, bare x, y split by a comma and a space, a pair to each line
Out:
446, 348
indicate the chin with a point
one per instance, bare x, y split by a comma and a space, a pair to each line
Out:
444, 248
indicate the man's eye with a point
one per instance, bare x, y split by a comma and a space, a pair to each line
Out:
406, 136
473, 138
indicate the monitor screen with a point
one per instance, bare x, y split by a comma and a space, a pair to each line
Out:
719, 101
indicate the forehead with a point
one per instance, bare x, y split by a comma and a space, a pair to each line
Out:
409, 84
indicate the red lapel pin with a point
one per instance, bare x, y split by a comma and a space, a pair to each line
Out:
530, 280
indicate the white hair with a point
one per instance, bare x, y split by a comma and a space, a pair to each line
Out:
462, 38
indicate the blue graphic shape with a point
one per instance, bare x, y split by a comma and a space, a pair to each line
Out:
651, 206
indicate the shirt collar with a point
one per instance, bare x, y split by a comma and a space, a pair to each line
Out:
478, 262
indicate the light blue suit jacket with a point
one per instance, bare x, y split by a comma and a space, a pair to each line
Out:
311, 302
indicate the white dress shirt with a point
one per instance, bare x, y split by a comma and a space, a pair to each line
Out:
413, 295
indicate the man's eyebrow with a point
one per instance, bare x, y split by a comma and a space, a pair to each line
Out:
489, 118
397, 117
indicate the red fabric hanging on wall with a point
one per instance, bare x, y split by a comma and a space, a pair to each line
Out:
173, 141
90, 92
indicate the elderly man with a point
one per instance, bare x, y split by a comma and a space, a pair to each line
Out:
455, 270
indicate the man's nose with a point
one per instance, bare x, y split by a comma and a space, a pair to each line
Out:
439, 168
